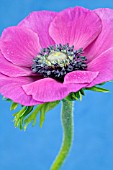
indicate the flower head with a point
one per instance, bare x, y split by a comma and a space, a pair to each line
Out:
49, 55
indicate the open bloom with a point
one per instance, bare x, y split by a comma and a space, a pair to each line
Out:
41, 60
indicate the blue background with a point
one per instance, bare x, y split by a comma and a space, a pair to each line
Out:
36, 148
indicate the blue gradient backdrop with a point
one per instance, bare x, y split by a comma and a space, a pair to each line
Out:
36, 148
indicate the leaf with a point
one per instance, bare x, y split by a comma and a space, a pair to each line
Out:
13, 106
82, 92
18, 115
69, 97
21, 115
97, 89
29, 109
76, 96
45, 108
32, 117
21, 121
27, 115
72, 96
20, 124
80, 96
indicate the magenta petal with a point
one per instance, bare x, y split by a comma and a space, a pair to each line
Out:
12, 88
11, 70
48, 89
80, 77
105, 39
39, 22
77, 26
19, 45
103, 64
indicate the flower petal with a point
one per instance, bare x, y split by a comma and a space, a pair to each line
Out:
105, 39
39, 22
77, 26
19, 45
12, 88
103, 64
11, 70
48, 89
80, 77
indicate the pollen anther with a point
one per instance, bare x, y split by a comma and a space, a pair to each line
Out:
57, 61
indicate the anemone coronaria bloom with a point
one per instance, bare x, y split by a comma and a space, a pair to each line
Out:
91, 30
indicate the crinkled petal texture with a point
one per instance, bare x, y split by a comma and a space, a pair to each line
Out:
9, 69
19, 45
12, 88
104, 65
105, 38
76, 26
91, 30
48, 89
39, 22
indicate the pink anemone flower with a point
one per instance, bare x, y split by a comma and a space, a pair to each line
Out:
48, 55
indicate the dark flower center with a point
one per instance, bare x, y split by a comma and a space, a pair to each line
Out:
57, 61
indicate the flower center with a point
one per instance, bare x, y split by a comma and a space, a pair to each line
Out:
57, 61
54, 56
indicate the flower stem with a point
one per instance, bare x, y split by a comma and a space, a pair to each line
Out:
67, 123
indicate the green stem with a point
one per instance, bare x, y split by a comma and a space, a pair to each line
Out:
67, 123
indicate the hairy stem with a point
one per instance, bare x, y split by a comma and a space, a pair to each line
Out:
67, 123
